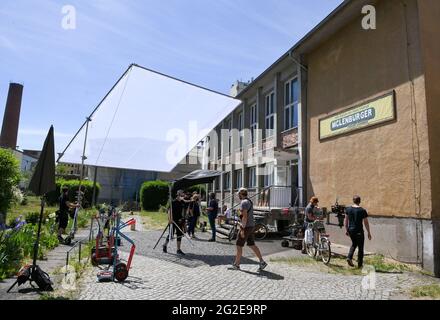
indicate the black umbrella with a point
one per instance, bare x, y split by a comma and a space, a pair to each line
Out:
42, 182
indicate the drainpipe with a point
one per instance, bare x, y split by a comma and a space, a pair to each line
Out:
302, 118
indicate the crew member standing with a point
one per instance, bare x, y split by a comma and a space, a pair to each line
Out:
63, 213
176, 219
212, 215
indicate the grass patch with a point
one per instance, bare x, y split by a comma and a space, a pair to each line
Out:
33, 205
339, 265
154, 220
297, 261
381, 264
428, 291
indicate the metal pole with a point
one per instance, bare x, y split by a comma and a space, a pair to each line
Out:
83, 158
37, 241
67, 263
94, 187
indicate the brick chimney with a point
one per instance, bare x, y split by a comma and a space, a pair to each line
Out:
11, 118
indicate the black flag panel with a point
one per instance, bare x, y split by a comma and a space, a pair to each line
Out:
43, 180
195, 178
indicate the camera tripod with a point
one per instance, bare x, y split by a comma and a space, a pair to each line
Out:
170, 227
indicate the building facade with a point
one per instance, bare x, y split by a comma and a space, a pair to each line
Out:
348, 110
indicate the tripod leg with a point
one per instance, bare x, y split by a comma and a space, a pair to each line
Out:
184, 234
161, 237
13, 285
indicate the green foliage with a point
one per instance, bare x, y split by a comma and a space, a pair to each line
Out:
17, 244
199, 189
9, 178
154, 194
73, 185
430, 291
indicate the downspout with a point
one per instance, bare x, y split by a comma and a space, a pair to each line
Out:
302, 119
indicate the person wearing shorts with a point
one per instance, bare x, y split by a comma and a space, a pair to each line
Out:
246, 234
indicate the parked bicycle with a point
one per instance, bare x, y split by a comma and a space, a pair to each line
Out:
317, 242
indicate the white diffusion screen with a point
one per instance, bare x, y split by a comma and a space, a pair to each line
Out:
149, 122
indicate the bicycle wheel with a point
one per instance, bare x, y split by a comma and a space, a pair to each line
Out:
260, 231
326, 252
311, 250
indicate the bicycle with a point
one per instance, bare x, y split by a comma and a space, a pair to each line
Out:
318, 243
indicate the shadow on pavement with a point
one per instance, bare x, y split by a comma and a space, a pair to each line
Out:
265, 274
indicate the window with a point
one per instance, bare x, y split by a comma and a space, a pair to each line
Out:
217, 184
238, 179
227, 181
252, 177
268, 175
254, 123
240, 129
291, 100
270, 114
228, 127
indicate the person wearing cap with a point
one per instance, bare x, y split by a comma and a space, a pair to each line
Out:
246, 234
63, 212
176, 216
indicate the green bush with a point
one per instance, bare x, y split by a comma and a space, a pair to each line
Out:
199, 189
9, 178
154, 194
73, 185
34, 217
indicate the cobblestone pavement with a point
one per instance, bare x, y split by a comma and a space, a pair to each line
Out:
205, 273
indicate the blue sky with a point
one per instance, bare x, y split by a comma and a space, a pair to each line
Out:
67, 72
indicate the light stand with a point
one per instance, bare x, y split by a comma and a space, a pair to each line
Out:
33, 272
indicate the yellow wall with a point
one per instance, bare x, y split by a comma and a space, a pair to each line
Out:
387, 165
429, 14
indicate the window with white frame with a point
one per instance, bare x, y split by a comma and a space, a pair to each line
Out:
254, 123
252, 183
270, 114
291, 100
229, 128
268, 175
238, 179
240, 129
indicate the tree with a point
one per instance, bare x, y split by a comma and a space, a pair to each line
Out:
9, 178
62, 169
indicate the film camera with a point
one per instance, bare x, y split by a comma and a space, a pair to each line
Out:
339, 210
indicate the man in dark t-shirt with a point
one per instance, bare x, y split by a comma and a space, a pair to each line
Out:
176, 216
355, 219
63, 214
212, 215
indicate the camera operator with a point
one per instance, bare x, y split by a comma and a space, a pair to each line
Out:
176, 215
